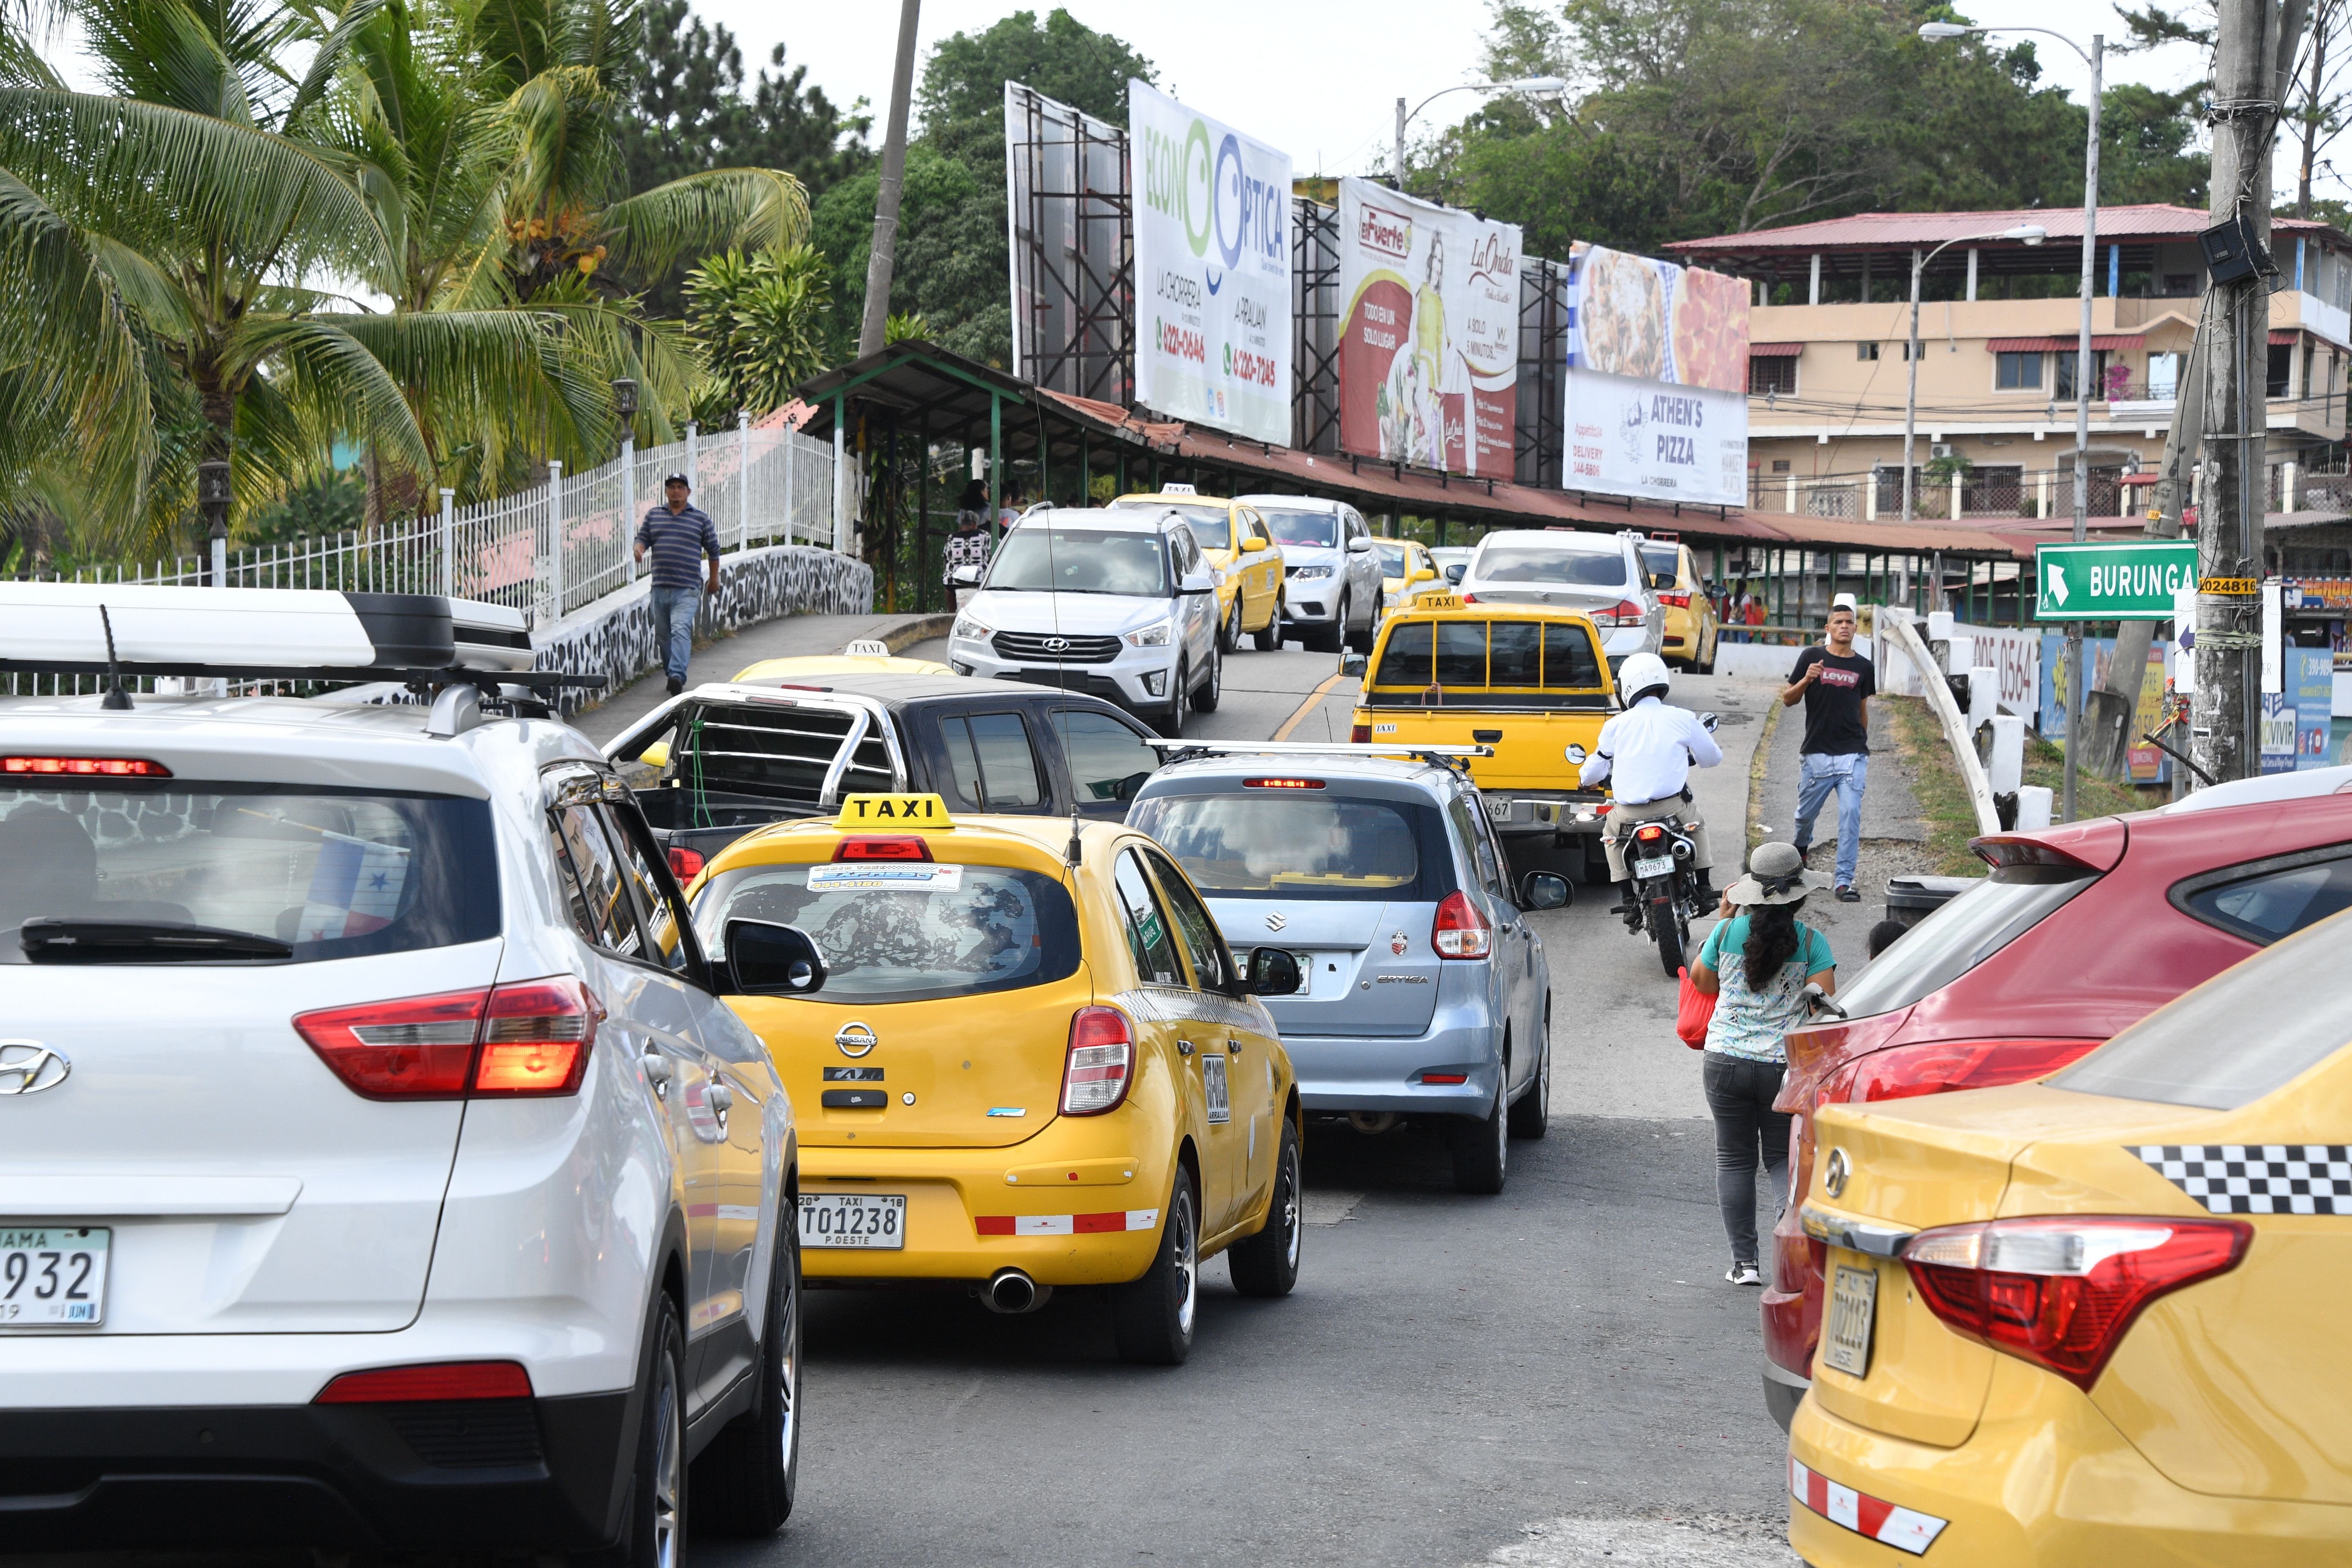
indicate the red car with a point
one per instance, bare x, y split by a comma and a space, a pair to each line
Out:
2078, 931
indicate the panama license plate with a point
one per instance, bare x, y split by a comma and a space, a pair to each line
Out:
873, 1221
53, 1275
1650, 865
1854, 1308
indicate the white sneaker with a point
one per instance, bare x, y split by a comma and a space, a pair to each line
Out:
1744, 1274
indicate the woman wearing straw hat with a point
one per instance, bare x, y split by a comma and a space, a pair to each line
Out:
1760, 996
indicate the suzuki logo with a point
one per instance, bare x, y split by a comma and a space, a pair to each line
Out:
1275, 920
855, 1039
28, 1066
1835, 1175
1058, 644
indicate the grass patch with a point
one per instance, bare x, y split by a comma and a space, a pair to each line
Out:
1943, 794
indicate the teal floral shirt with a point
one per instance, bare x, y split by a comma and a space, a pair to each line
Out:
1748, 1023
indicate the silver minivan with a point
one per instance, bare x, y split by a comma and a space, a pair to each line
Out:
1427, 996
1331, 574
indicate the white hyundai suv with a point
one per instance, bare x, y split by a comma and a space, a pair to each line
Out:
379, 1169
1116, 602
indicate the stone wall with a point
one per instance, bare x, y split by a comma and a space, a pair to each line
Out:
615, 637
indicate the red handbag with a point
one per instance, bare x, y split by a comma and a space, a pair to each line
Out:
1693, 1012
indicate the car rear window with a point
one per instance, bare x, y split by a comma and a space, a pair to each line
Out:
331, 873
1302, 528
1663, 560
2249, 1030
1451, 652
1301, 844
1960, 935
895, 932
1549, 563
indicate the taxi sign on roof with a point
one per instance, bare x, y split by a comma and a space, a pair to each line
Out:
1436, 601
893, 811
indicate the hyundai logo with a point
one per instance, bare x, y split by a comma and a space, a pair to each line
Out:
1276, 920
1058, 644
1836, 1173
855, 1039
28, 1066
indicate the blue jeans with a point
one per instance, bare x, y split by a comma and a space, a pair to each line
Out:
1849, 774
673, 613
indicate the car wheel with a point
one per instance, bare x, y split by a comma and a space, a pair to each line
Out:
1707, 665
1269, 635
743, 1482
1327, 638
654, 1535
1171, 724
1482, 1149
1266, 1264
1212, 690
1532, 1113
1228, 635
1152, 1317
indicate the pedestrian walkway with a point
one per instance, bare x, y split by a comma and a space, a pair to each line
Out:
1894, 833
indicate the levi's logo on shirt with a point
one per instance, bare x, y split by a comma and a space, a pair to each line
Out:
1833, 675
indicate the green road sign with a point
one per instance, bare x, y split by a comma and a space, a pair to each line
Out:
2131, 582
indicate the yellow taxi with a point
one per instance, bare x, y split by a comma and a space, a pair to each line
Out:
1020, 1057
2098, 1319
803, 666
1245, 555
1691, 625
1405, 571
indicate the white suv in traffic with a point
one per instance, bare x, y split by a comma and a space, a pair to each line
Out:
1116, 602
1599, 573
379, 1169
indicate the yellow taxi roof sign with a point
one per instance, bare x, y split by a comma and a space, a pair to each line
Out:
1436, 602
893, 811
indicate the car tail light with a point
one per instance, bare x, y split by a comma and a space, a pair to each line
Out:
685, 864
1460, 931
1282, 784
1902, 1072
1625, 613
108, 767
1101, 1062
2061, 1291
1360, 734
442, 1380
530, 1037
1677, 601
1446, 1077
882, 846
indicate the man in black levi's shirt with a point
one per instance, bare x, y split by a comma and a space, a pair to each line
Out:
1835, 684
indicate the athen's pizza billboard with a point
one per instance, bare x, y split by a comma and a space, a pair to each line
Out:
1429, 346
1657, 380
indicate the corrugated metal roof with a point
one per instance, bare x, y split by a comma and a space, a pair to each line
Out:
1775, 351
1866, 231
2110, 341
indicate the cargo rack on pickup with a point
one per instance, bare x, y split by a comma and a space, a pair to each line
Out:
1178, 750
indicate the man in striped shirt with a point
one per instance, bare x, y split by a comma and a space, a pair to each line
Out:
680, 535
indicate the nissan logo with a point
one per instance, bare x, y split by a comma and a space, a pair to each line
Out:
1058, 644
855, 1039
1836, 1173
28, 1066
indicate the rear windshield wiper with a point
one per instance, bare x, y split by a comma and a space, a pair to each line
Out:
96, 939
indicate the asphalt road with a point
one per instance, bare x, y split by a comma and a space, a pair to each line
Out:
1558, 1375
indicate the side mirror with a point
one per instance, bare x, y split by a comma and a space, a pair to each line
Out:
964, 577
656, 756
1354, 664
1819, 1000
1421, 574
1707, 721
1197, 582
1453, 572
1662, 580
1545, 890
1359, 545
1272, 971
770, 960
1252, 545
1576, 753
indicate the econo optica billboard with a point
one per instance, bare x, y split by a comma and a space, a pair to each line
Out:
1212, 269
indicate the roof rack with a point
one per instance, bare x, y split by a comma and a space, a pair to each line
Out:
1453, 757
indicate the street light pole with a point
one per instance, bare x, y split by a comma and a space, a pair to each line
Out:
2031, 234
1529, 85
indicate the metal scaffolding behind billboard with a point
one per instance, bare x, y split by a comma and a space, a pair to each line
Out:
1315, 310
1543, 361
1072, 243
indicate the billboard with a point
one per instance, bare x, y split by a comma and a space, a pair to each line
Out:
1212, 269
1657, 380
1429, 343
1066, 206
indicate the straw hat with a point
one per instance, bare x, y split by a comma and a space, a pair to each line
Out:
1776, 875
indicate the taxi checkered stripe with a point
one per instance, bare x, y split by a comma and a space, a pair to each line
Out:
2257, 1178
1904, 1529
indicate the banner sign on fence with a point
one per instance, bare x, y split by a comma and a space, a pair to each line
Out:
1212, 269
2127, 582
1656, 390
2143, 762
1429, 346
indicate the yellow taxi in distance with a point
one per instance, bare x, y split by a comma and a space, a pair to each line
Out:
814, 664
1248, 560
2097, 1319
1405, 571
1530, 681
1020, 1057
1691, 625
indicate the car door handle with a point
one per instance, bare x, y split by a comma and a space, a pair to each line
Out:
1233, 1047
722, 1099
1183, 1047
657, 1071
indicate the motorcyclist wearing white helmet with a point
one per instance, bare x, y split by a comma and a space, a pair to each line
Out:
1646, 753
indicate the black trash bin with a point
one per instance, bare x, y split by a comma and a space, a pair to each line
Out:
1913, 899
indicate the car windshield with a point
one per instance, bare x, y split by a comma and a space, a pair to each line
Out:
1960, 935
1391, 558
1294, 843
2249, 1030
1081, 561
1549, 563
1304, 528
328, 873
905, 932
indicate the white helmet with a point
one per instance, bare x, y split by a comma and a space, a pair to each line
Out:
1641, 675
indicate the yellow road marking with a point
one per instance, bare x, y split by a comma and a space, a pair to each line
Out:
1314, 701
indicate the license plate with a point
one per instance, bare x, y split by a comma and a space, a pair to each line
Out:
53, 1276
1498, 811
876, 1221
1854, 1304
1653, 866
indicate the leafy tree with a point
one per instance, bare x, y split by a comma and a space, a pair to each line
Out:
2319, 105
760, 323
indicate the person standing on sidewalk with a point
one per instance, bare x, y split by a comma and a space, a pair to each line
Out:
1835, 684
679, 534
968, 546
1756, 964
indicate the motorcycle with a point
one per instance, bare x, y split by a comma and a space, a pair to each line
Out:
1659, 856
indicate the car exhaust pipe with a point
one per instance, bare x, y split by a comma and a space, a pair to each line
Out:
1012, 1292
1372, 1123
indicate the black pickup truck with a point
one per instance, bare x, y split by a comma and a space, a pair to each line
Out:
728, 757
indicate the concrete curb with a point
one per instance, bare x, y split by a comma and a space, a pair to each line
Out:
917, 629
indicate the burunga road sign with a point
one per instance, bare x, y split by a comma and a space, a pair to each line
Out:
2134, 581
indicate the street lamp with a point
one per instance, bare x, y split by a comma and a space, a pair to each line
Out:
1550, 87
2031, 234
2095, 57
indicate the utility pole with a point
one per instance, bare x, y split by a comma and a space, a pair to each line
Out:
1397, 157
882, 259
2082, 390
